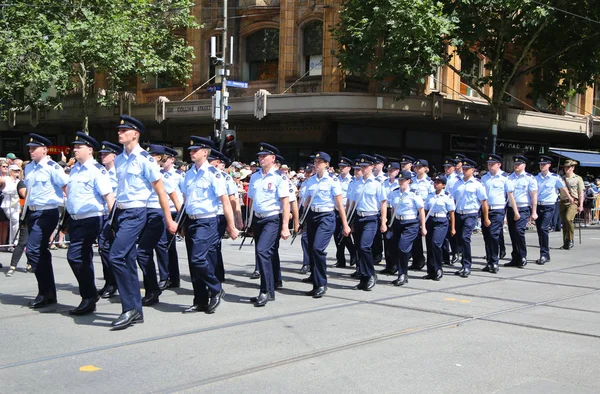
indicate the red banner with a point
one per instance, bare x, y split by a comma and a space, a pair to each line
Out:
57, 149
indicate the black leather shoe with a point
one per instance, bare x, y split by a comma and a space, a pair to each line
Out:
512, 263
455, 258
109, 291
571, 244
151, 298
371, 282
304, 269
355, 274
523, 263
417, 266
87, 305
214, 302
377, 259
352, 262
126, 319
439, 274
42, 300
164, 284
361, 285
340, 264
542, 261
502, 254
255, 275
464, 273
174, 284
261, 300
494, 269
386, 271
196, 308
319, 292
402, 279
308, 279
278, 285
487, 268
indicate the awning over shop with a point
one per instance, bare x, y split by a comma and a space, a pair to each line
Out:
585, 158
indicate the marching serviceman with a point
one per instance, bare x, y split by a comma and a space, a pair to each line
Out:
450, 245
377, 247
108, 153
269, 196
46, 181
138, 176
568, 210
204, 187
526, 198
548, 186
324, 194
351, 211
173, 180
389, 247
421, 185
406, 162
469, 196
344, 165
499, 189
302, 195
88, 191
407, 219
371, 206
440, 222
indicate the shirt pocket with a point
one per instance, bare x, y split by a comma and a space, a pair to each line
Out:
200, 188
133, 176
324, 191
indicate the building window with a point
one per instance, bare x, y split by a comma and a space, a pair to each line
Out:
162, 81
312, 48
596, 103
471, 64
435, 80
574, 103
262, 54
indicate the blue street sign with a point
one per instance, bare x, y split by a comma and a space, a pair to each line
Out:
237, 84
211, 89
228, 107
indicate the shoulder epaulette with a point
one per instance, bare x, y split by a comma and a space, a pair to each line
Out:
145, 154
504, 174
99, 166
213, 170
335, 179
51, 163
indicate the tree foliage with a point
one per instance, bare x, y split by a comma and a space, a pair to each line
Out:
46, 44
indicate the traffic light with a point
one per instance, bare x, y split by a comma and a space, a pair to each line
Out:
482, 146
228, 144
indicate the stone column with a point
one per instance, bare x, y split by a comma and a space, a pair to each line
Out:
288, 43
332, 73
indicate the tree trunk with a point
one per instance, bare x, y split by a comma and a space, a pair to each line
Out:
494, 124
84, 97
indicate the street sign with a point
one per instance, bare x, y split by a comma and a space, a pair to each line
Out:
228, 107
211, 89
237, 84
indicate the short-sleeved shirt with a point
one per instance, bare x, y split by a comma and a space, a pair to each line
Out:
422, 187
112, 175
405, 203
497, 186
524, 185
88, 184
44, 182
368, 194
548, 187
345, 183
323, 191
574, 184
468, 195
202, 188
441, 203
135, 173
231, 189
267, 190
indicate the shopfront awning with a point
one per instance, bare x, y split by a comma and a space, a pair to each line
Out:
585, 158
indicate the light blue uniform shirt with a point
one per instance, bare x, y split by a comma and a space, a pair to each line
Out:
266, 191
231, 188
112, 175
44, 182
345, 184
548, 187
422, 187
323, 191
136, 172
468, 195
173, 183
88, 184
497, 186
368, 194
389, 186
524, 184
381, 177
440, 203
405, 203
202, 188
291, 188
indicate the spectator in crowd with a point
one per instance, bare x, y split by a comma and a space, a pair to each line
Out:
23, 235
4, 220
10, 204
588, 203
3, 167
10, 158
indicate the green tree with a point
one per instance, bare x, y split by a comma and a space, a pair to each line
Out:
72, 40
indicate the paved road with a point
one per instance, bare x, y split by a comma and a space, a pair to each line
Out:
532, 330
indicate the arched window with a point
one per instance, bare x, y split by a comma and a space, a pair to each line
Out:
262, 54
471, 64
312, 48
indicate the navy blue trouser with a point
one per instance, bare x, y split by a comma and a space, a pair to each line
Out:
516, 230
129, 224
417, 250
149, 240
201, 239
221, 227
437, 229
319, 230
491, 235
342, 242
542, 224
266, 232
389, 246
105, 241
41, 224
277, 261
404, 235
167, 260
304, 243
464, 229
80, 255
377, 246
555, 221
365, 229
